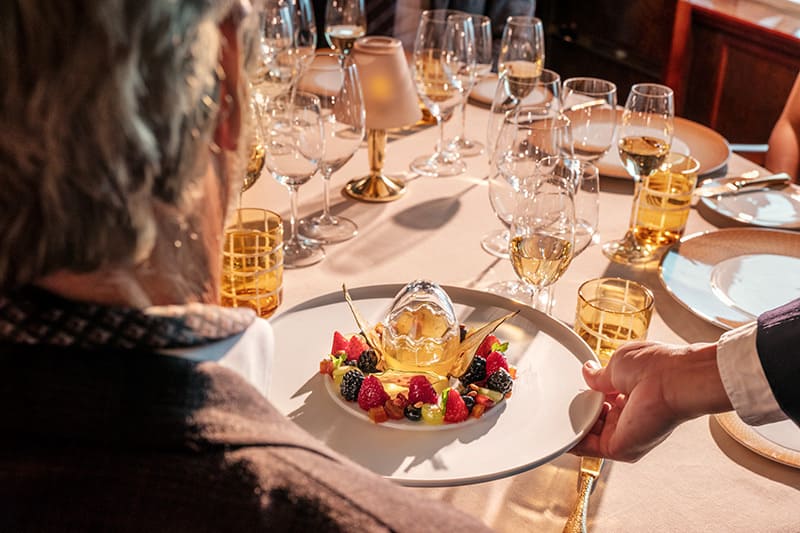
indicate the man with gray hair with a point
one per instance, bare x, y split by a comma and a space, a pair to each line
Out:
119, 154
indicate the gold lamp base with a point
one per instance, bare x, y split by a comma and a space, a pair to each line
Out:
375, 187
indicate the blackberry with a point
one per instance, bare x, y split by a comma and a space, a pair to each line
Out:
412, 413
476, 371
469, 401
351, 384
368, 361
350, 362
500, 381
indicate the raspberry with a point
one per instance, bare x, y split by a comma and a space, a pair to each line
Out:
355, 346
500, 381
486, 346
420, 390
339, 343
476, 371
455, 410
371, 394
351, 385
368, 361
494, 361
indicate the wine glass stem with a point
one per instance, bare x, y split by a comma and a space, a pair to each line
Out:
463, 135
293, 213
440, 142
326, 203
637, 190
542, 298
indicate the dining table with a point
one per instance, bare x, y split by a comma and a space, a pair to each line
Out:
699, 479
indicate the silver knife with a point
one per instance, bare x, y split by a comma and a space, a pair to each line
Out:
725, 186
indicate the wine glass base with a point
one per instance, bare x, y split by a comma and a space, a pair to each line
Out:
627, 251
439, 165
496, 243
512, 289
465, 147
301, 253
327, 230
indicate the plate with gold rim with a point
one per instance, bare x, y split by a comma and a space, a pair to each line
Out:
730, 276
769, 208
778, 441
549, 411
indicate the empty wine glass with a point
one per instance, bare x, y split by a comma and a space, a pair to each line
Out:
294, 143
521, 57
591, 105
444, 47
586, 189
275, 70
645, 138
542, 234
525, 138
482, 26
345, 22
334, 80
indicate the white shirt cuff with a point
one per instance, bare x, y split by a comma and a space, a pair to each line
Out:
743, 377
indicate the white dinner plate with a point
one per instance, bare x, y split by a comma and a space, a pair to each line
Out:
550, 410
779, 441
731, 276
704, 144
483, 92
770, 208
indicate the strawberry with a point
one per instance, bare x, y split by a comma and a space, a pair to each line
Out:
339, 343
455, 410
355, 346
420, 390
371, 394
486, 346
494, 361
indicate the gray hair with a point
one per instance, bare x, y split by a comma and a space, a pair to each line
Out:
105, 106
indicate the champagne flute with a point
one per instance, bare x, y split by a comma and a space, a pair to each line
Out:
482, 26
345, 22
294, 143
644, 141
444, 47
333, 78
591, 105
542, 234
521, 57
526, 137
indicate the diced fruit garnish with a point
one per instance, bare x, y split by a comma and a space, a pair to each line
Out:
491, 394
500, 381
432, 414
494, 361
420, 390
355, 346
476, 371
478, 410
455, 408
377, 414
486, 346
326, 367
371, 394
339, 343
368, 361
351, 384
394, 409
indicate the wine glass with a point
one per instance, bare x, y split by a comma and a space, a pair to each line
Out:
482, 26
542, 234
591, 105
255, 161
521, 57
275, 70
584, 177
345, 21
444, 48
525, 137
294, 143
645, 137
333, 78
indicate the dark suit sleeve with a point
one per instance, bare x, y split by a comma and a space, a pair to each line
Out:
778, 344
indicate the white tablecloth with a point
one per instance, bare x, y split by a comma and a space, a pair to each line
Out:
700, 479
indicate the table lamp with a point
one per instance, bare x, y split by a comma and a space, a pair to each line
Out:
390, 100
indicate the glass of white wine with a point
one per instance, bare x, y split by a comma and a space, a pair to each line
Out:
521, 57
444, 48
542, 233
345, 22
645, 137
